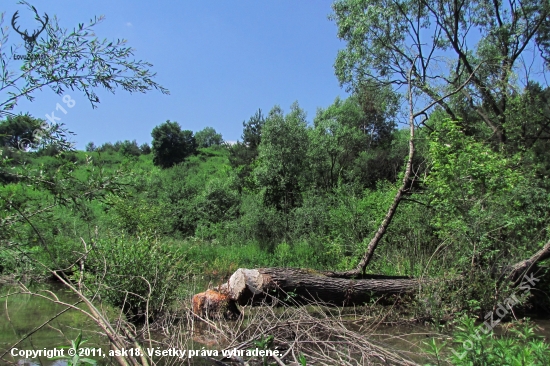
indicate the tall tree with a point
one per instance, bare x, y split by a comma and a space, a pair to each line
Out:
252, 132
208, 137
363, 126
336, 140
243, 154
171, 145
444, 43
282, 159
19, 132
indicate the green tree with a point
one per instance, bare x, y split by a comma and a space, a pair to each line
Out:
145, 148
387, 39
485, 205
19, 132
243, 154
352, 132
333, 148
171, 145
90, 146
107, 147
252, 132
528, 126
283, 158
130, 148
208, 137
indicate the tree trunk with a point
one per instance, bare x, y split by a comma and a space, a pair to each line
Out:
266, 285
527, 266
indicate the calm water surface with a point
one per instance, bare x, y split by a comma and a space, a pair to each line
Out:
21, 314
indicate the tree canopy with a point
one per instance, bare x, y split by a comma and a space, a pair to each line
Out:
486, 44
171, 144
208, 137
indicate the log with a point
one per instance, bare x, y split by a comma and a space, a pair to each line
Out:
262, 284
266, 285
527, 266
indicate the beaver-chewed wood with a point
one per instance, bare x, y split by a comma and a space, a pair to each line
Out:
214, 305
248, 286
261, 285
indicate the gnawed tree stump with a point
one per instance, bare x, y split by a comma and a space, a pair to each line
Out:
214, 305
266, 285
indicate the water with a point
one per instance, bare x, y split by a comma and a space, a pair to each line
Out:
24, 316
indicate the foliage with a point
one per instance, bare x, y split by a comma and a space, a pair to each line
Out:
130, 148
386, 41
76, 346
282, 159
74, 60
138, 274
519, 346
208, 137
243, 154
302, 193
145, 148
25, 133
107, 147
61, 60
252, 132
18, 132
134, 215
528, 117
90, 147
485, 204
171, 145
334, 144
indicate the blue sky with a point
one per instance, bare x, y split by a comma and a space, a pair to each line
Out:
221, 61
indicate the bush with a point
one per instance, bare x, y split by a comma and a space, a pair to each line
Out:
145, 148
208, 137
519, 346
107, 147
90, 147
130, 148
134, 215
138, 274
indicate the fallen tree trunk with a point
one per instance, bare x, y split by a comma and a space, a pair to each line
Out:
524, 267
265, 285
262, 284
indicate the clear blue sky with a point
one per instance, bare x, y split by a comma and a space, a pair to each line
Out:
220, 59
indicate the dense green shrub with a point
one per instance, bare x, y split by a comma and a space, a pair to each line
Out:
486, 205
140, 274
474, 345
130, 148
